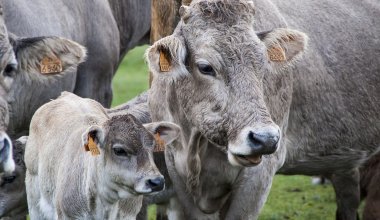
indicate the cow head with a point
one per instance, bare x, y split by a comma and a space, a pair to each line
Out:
32, 71
127, 147
8, 64
216, 62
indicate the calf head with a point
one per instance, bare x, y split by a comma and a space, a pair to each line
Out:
126, 148
12, 186
216, 63
32, 72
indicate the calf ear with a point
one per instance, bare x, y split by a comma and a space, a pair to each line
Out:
284, 46
166, 57
48, 55
164, 131
93, 139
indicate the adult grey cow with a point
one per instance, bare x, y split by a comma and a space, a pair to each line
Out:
108, 29
237, 97
20, 66
64, 181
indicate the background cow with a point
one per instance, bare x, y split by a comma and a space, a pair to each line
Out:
20, 66
107, 29
118, 170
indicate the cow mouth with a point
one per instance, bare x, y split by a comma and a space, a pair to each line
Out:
248, 160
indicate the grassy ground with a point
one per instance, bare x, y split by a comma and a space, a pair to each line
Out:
291, 197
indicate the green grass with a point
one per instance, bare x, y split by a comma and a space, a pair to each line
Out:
291, 197
131, 78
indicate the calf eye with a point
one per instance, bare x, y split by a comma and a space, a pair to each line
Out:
118, 151
10, 70
206, 69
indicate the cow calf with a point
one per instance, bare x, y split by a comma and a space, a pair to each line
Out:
85, 164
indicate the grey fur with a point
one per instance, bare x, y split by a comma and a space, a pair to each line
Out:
326, 104
65, 181
108, 29
12, 191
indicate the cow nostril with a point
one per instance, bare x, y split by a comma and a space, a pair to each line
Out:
156, 184
252, 139
263, 142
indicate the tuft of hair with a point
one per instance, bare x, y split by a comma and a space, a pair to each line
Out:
228, 12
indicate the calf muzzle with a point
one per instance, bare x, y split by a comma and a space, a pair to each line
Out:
156, 184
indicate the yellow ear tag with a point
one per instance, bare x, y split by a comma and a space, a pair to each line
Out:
164, 62
276, 54
91, 146
160, 144
50, 65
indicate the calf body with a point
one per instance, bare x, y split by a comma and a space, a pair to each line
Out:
65, 181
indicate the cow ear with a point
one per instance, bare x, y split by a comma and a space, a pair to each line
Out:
165, 131
48, 55
284, 46
166, 57
93, 139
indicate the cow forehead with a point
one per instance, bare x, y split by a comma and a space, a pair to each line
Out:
128, 130
227, 12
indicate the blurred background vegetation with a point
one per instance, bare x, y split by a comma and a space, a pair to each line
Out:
291, 197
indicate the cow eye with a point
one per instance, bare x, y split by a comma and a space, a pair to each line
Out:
10, 70
206, 69
118, 151
8, 179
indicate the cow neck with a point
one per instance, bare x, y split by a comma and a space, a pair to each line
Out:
133, 27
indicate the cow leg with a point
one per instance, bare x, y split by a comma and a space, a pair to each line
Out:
143, 213
372, 203
174, 210
161, 212
347, 190
34, 197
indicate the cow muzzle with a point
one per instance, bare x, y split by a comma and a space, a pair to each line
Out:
252, 143
7, 163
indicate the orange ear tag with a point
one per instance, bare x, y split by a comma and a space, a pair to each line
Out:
276, 54
91, 146
160, 144
164, 62
50, 65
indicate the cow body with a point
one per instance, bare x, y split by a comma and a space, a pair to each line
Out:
108, 29
65, 181
325, 105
